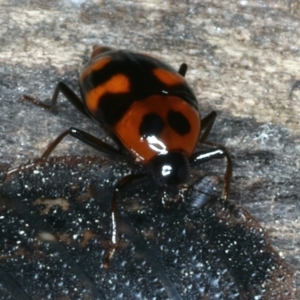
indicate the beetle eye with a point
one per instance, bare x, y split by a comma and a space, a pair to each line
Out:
169, 169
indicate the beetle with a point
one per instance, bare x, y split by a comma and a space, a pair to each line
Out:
148, 109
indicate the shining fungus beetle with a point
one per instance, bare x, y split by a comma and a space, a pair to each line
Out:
147, 108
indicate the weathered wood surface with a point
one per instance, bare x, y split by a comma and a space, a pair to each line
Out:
243, 58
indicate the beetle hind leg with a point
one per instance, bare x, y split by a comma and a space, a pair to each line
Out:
183, 69
67, 92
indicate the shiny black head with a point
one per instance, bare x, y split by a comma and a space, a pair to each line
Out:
169, 169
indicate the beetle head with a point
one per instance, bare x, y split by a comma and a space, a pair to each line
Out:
171, 168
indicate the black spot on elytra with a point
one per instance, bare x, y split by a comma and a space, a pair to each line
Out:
152, 124
179, 122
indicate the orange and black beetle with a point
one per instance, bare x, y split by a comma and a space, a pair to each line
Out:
149, 111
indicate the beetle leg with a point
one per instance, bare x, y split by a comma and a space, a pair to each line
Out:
80, 135
183, 69
73, 98
296, 85
200, 157
85, 138
68, 93
206, 125
123, 183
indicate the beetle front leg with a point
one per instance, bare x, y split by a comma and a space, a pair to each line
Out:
217, 153
123, 183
